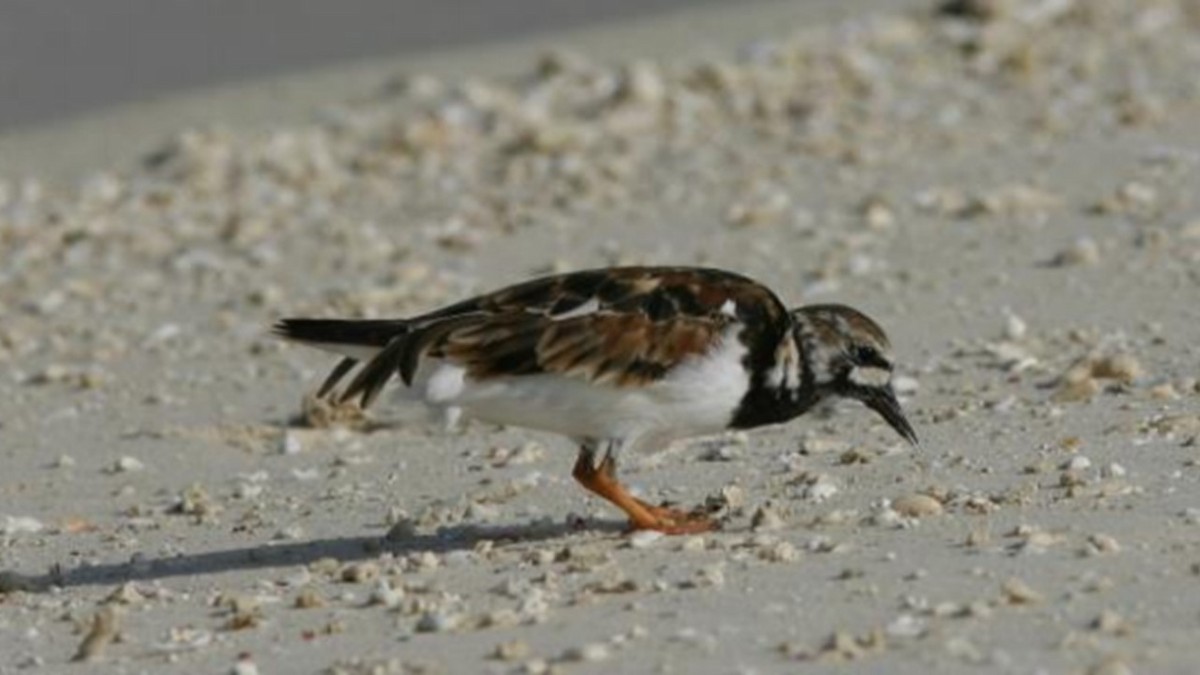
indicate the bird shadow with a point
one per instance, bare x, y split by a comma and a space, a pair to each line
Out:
272, 555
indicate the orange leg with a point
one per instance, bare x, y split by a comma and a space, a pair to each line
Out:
602, 481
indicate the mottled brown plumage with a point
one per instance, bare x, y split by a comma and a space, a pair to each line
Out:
621, 357
641, 322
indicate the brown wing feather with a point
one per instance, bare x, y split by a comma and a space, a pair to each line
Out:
610, 348
371, 378
660, 292
644, 321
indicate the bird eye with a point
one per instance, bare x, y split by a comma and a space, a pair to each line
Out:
869, 356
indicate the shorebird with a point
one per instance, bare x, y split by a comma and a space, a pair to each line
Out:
619, 359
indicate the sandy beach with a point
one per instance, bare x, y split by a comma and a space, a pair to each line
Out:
1008, 186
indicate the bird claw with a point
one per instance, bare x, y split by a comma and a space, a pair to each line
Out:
669, 520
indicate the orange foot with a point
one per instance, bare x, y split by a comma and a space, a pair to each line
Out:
677, 521
602, 480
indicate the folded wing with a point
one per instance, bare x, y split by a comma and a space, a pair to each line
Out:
625, 327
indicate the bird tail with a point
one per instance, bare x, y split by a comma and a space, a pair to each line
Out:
355, 340
349, 337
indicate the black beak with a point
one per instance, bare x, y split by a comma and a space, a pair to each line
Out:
883, 401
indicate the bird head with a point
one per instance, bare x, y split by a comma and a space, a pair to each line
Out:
848, 355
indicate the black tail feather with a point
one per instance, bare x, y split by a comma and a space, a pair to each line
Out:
367, 332
339, 371
370, 380
381, 333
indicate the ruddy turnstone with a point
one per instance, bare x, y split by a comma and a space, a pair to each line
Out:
619, 359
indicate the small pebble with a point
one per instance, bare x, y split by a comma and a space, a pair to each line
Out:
20, 525
644, 538
905, 385
820, 446
767, 519
1017, 592
917, 506
437, 622
289, 444
127, 464
309, 598
1103, 544
733, 497
357, 573
591, 652
1112, 623
907, 626
820, 491
384, 594
125, 594
1015, 327
244, 666
1122, 367
513, 650
878, 215
534, 667
1078, 463
1084, 251
779, 552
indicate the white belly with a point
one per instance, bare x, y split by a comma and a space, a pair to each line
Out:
698, 397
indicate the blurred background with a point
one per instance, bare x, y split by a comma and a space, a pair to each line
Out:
60, 58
